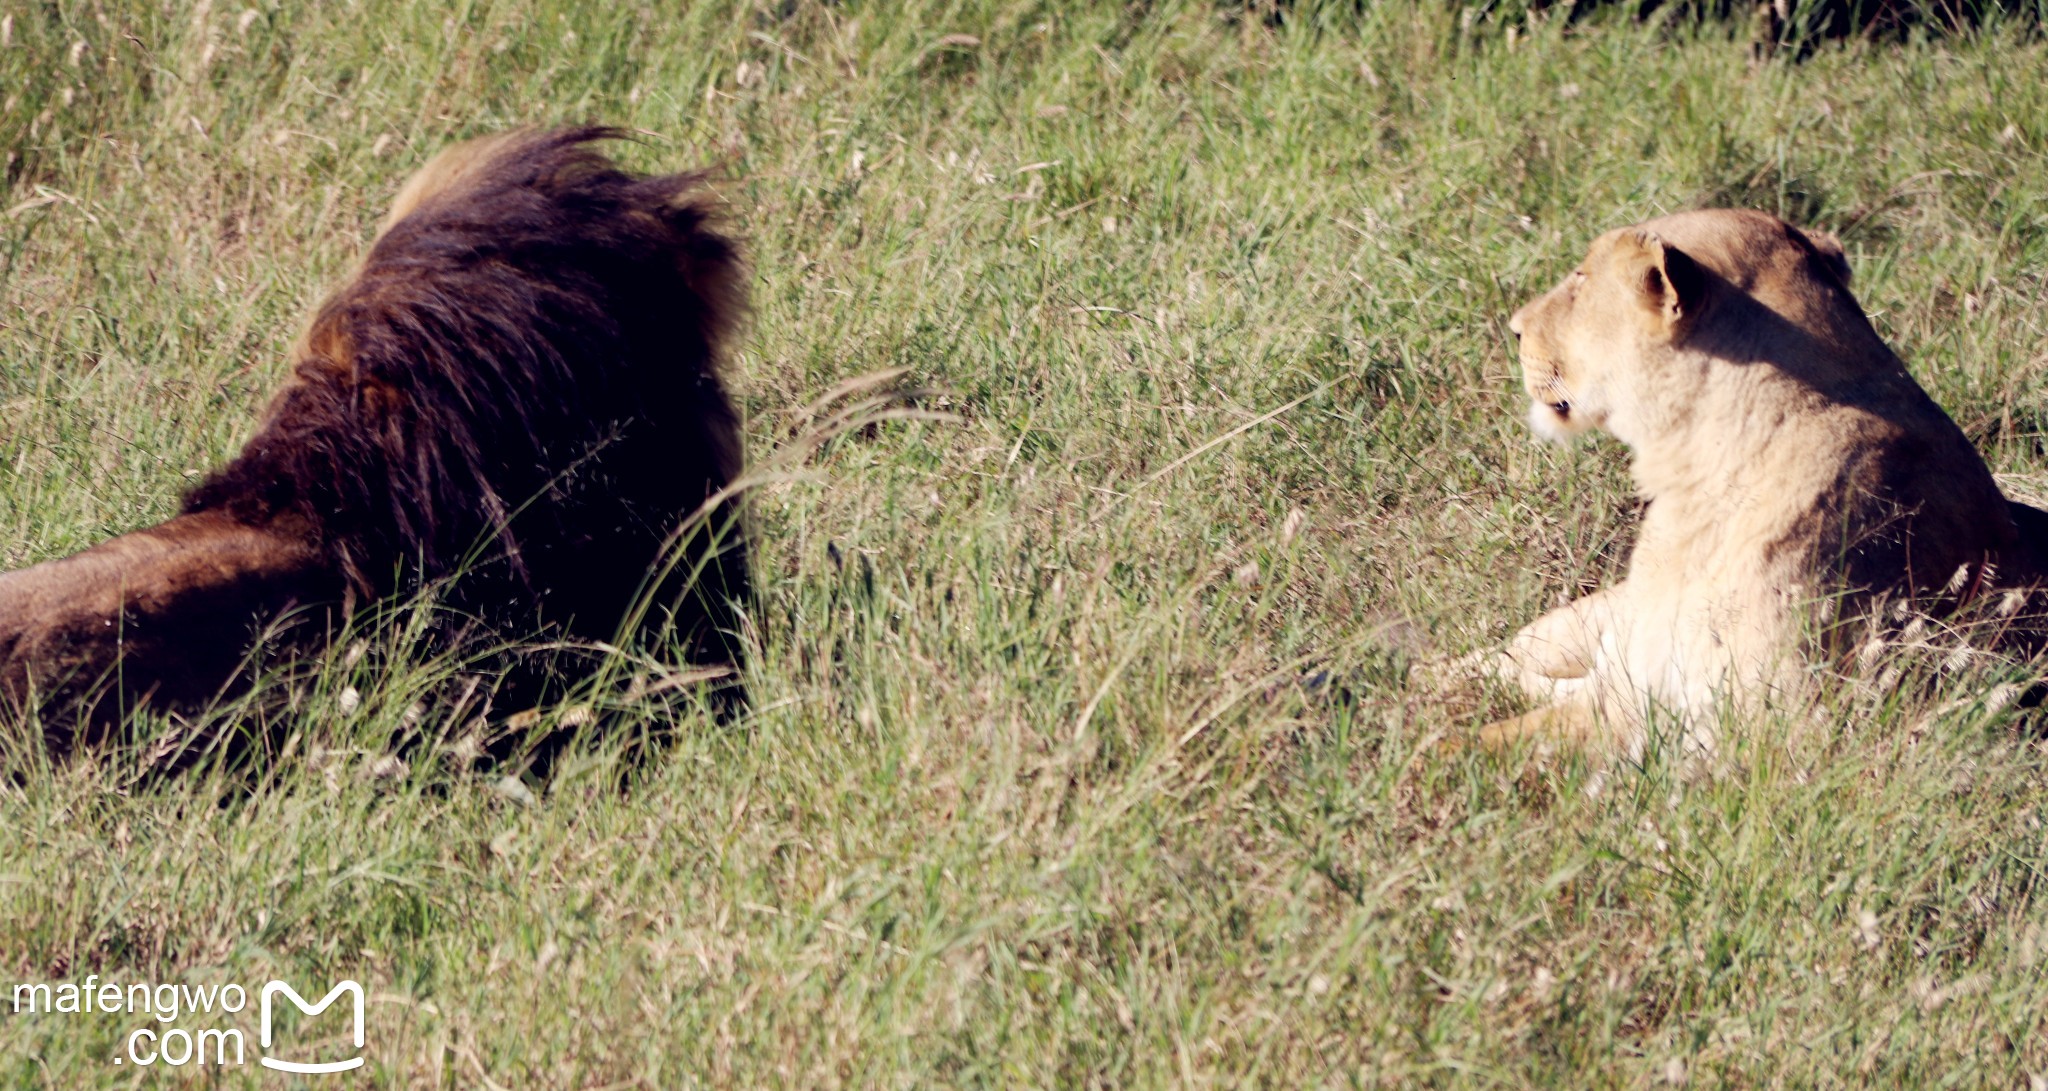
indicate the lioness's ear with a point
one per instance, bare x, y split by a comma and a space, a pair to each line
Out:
1828, 249
1671, 282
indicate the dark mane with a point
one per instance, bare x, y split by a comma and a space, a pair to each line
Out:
519, 388
522, 373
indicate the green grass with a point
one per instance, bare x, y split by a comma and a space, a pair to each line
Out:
1030, 792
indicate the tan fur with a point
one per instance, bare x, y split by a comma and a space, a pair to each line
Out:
1794, 471
177, 597
446, 173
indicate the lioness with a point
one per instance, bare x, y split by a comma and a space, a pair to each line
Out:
1795, 475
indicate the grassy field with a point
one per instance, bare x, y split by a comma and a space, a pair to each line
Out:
1083, 749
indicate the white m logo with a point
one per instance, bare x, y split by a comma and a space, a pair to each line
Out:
275, 987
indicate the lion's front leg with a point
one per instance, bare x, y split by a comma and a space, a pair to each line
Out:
1563, 646
1557, 660
1575, 724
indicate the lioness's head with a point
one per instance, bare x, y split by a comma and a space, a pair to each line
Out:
1600, 349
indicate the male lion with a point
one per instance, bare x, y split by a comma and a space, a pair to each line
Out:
520, 383
1795, 474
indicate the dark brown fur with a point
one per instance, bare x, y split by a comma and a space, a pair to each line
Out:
520, 384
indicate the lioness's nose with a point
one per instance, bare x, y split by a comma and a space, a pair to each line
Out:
1515, 325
